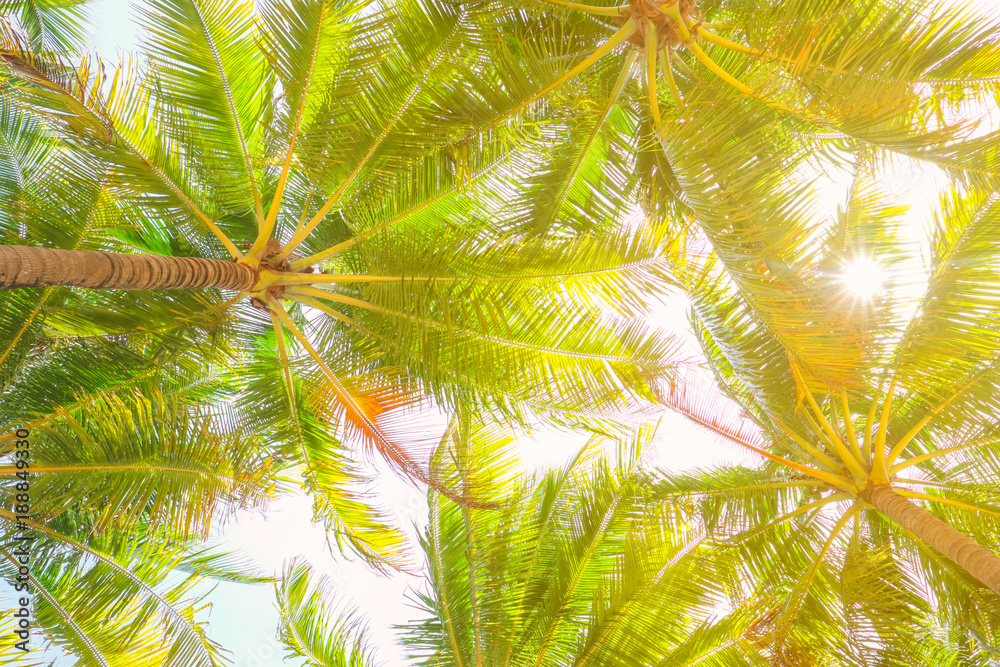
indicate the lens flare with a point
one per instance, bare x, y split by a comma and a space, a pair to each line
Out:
864, 277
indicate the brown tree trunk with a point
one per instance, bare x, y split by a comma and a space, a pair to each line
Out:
25, 266
964, 552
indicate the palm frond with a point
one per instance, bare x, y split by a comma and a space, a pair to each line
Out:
311, 629
131, 459
111, 603
51, 25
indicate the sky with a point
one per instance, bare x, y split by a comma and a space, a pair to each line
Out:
244, 618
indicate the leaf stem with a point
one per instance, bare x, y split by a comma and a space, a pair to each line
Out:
912, 433
807, 581
815, 505
869, 424
266, 228
654, 102
916, 460
852, 438
835, 443
313, 303
669, 74
879, 474
313, 278
813, 451
588, 9
942, 500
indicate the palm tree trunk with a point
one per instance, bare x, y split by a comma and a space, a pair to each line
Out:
25, 266
964, 552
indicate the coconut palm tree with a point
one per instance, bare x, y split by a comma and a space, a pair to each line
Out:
349, 165
589, 568
379, 147
841, 65
583, 567
668, 105
875, 414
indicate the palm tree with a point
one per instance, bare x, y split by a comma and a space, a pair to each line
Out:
598, 564
585, 567
702, 112
846, 66
352, 166
876, 505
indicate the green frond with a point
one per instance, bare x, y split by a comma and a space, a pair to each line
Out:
223, 566
112, 604
336, 483
219, 98
960, 267
51, 25
132, 459
10, 654
311, 629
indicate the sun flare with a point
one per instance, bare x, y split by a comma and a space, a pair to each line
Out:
864, 277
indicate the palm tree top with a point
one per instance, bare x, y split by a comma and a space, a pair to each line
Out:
349, 161
873, 416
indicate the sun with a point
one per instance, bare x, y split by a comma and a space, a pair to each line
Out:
863, 277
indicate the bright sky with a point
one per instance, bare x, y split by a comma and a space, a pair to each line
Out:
244, 617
